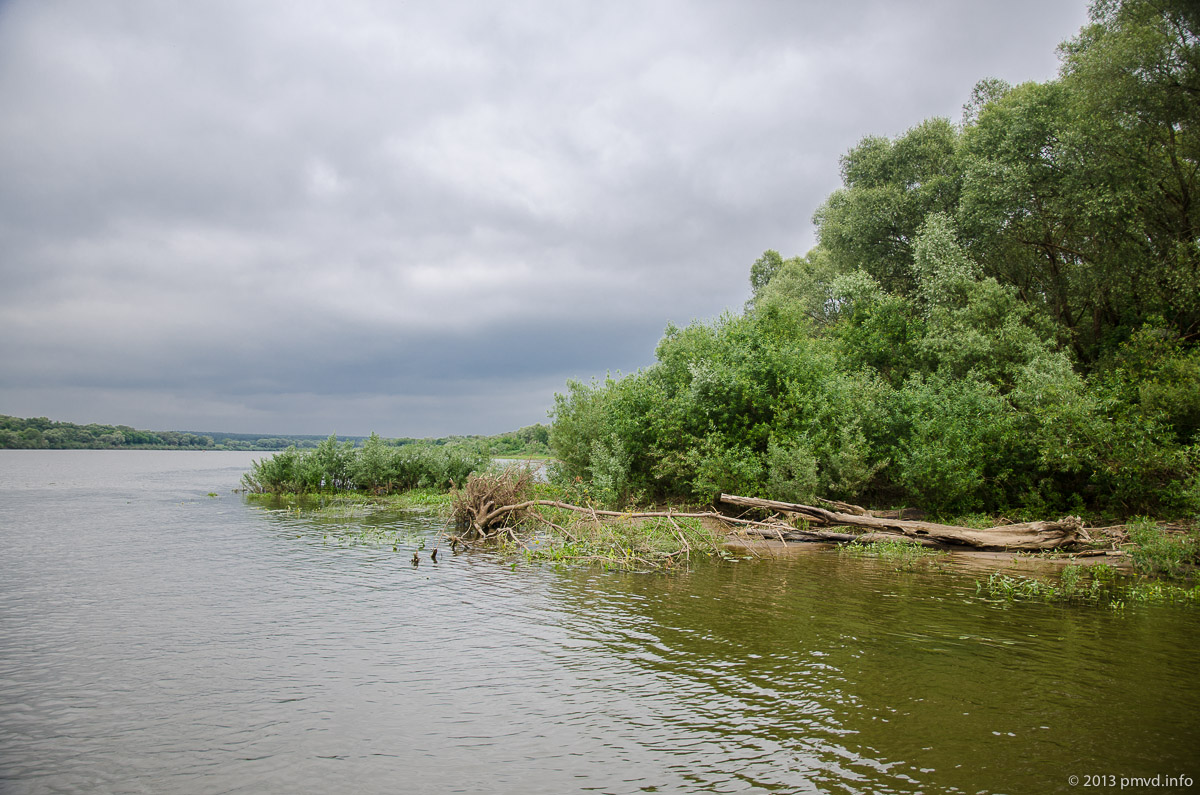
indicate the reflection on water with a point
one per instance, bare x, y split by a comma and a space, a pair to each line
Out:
155, 639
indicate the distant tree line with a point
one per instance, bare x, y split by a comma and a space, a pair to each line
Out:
256, 441
532, 440
1001, 314
40, 433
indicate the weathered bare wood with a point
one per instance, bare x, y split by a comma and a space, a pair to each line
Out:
845, 507
1098, 553
488, 520
1026, 535
785, 533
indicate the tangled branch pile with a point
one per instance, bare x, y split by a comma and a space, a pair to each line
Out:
491, 506
490, 503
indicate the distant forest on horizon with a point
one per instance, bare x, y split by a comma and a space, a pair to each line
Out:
41, 433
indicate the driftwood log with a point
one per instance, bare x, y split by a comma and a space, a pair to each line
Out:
1026, 535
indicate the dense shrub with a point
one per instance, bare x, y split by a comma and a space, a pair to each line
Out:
376, 467
739, 406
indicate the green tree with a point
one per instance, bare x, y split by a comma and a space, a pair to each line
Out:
763, 271
997, 315
890, 186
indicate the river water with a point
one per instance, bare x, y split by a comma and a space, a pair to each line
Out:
157, 639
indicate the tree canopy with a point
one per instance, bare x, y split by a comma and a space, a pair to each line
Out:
1001, 313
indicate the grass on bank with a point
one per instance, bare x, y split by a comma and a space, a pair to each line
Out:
1098, 584
1161, 551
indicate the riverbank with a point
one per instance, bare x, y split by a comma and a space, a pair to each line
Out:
491, 506
510, 512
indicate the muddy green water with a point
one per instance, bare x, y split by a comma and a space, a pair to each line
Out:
154, 639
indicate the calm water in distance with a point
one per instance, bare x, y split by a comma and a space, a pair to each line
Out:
155, 639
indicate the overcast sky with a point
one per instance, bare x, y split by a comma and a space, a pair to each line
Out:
422, 218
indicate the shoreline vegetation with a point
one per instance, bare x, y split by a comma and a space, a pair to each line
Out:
493, 506
999, 325
527, 519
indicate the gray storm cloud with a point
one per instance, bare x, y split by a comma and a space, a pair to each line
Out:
423, 218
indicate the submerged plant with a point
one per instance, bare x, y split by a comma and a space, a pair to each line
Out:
1008, 587
905, 554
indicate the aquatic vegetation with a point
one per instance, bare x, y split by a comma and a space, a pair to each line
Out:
1158, 591
420, 499
401, 537
631, 544
365, 536
1090, 585
1010, 587
1158, 551
905, 554
350, 504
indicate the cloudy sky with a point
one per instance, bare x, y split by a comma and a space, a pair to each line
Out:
422, 218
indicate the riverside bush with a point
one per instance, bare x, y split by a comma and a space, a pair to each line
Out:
376, 467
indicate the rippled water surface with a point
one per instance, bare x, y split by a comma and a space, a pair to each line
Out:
156, 639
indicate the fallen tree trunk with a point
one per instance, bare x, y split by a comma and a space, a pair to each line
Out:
1026, 535
783, 532
491, 525
491, 516
489, 522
